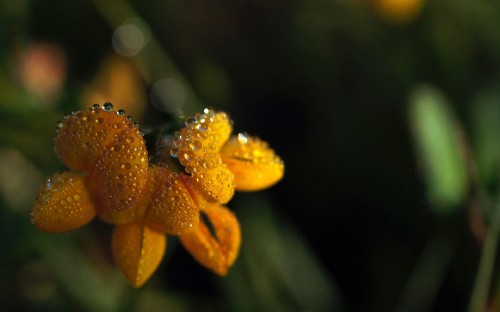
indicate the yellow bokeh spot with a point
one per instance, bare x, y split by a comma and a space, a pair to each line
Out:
399, 11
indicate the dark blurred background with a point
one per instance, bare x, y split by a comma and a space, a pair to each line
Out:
358, 223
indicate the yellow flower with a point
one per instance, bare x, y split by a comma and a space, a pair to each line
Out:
221, 164
399, 11
111, 177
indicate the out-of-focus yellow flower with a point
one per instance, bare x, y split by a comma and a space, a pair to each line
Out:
112, 178
118, 81
399, 11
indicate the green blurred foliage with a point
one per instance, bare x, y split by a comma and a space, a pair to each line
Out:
330, 85
437, 136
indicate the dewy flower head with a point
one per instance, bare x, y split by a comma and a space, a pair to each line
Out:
111, 177
221, 164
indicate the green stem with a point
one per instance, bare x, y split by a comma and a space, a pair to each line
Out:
483, 279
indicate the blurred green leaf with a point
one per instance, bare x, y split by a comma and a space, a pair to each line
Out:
92, 289
437, 141
280, 270
486, 137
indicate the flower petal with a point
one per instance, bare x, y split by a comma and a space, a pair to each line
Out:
171, 209
110, 147
138, 250
122, 171
217, 184
197, 146
83, 135
63, 204
217, 252
138, 200
253, 162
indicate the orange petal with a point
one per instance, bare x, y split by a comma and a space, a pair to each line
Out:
138, 251
205, 132
171, 209
63, 204
137, 201
82, 136
217, 184
122, 171
198, 197
197, 146
253, 162
216, 253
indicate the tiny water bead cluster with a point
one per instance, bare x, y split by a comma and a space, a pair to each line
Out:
112, 178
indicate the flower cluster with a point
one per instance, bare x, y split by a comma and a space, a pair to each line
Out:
111, 177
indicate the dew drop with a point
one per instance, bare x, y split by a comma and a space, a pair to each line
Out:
211, 164
189, 121
65, 116
242, 138
108, 107
120, 112
188, 155
195, 145
96, 106
202, 135
202, 127
126, 166
173, 152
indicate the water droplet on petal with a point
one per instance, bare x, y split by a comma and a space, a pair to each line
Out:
195, 145
189, 121
242, 138
108, 107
